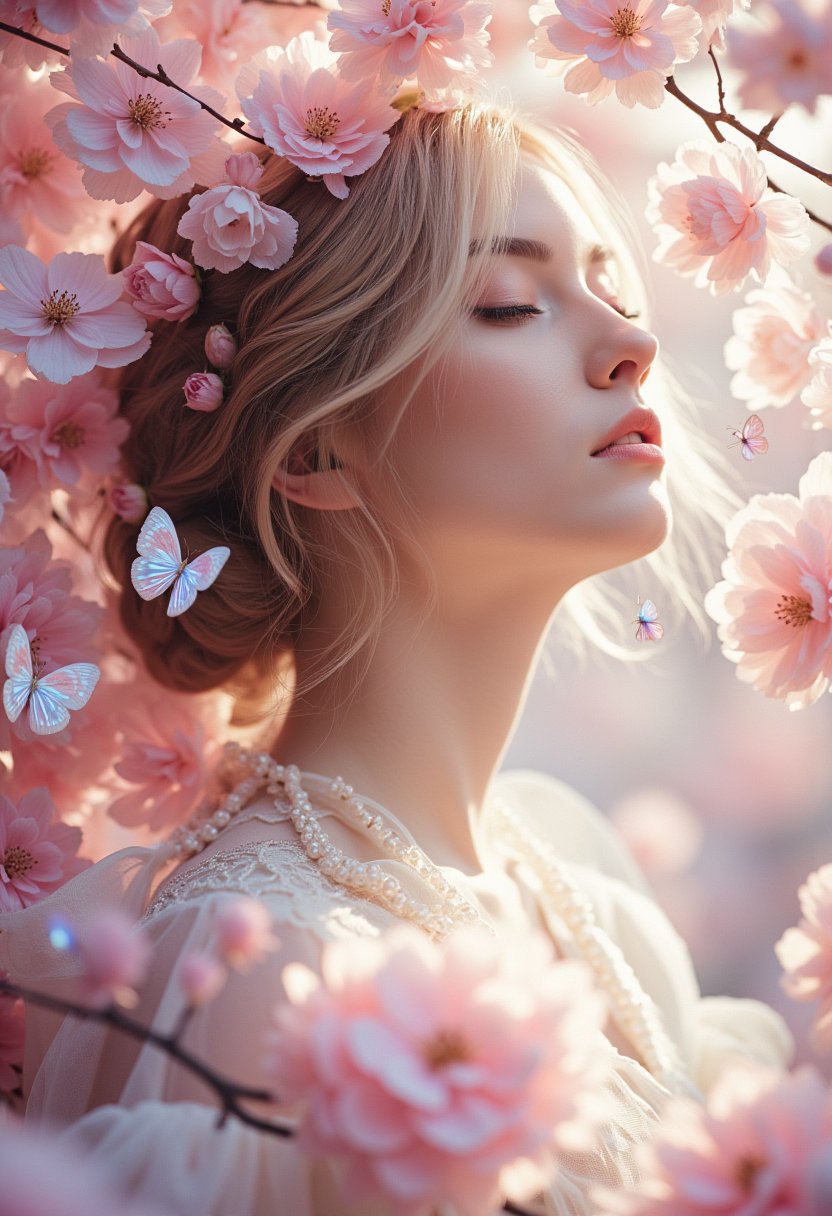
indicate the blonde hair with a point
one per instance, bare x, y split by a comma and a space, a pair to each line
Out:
376, 287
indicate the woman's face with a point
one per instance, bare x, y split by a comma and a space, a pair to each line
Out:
500, 453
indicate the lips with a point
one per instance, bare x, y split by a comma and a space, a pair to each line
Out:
640, 425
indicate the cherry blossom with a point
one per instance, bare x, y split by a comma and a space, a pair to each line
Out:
714, 15
717, 220
230, 33
129, 501
12, 1037
73, 430
5, 494
774, 607
244, 933
161, 284
628, 49
787, 61
753, 1148
131, 133
200, 976
67, 317
15, 51
94, 25
773, 335
308, 113
805, 953
36, 179
434, 1070
220, 347
817, 394
203, 392
230, 226
433, 42
17, 460
37, 851
114, 956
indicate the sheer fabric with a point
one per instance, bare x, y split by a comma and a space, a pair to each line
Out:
154, 1125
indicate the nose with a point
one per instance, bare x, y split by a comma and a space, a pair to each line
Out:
623, 352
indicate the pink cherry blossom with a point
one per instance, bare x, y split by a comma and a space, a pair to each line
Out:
774, 607
17, 460
244, 932
74, 430
220, 347
717, 220
817, 394
753, 1148
94, 25
36, 179
67, 317
714, 15
129, 501
773, 335
132, 133
12, 1037
432, 42
15, 51
788, 60
434, 1070
307, 112
37, 851
805, 953
161, 284
659, 829
203, 391
200, 976
114, 956
629, 49
230, 226
230, 33
169, 746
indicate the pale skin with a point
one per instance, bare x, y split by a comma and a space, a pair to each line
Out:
512, 509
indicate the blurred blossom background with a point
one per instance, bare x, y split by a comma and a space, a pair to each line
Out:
723, 795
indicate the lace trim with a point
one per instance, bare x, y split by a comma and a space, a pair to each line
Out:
298, 893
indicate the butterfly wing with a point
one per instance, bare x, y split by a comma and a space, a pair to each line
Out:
752, 427
198, 575
55, 694
18, 686
158, 535
151, 576
754, 447
649, 628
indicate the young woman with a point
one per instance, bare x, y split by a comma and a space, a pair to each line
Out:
444, 416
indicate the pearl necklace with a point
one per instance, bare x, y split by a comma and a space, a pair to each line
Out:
631, 1008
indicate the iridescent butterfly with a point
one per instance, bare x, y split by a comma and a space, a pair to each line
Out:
650, 628
50, 697
751, 439
161, 564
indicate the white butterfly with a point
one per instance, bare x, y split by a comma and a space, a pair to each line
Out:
161, 564
49, 697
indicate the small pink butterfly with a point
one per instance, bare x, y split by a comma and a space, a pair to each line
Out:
751, 439
161, 564
49, 697
650, 628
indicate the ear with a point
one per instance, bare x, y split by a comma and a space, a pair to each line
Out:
323, 490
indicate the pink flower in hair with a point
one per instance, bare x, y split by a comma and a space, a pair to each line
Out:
161, 284
787, 60
131, 133
773, 335
805, 953
434, 41
754, 1148
229, 225
442, 1074
37, 851
717, 220
629, 49
774, 607
220, 347
12, 1038
67, 317
74, 430
129, 501
203, 392
817, 394
308, 113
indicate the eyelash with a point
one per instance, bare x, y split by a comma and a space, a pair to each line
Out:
515, 312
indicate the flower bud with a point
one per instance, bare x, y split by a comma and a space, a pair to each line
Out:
203, 391
244, 932
823, 260
129, 500
201, 976
161, 284
220, 347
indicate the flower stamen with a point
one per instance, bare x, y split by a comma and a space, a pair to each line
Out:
68, 435
446, 1047
146, 112
625, 23
34, 163
16, 862
321, 123
60, 308
747, 1170
794, 610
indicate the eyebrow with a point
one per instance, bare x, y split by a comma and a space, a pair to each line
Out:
537, 251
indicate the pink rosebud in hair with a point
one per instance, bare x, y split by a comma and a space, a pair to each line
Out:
161, 284
203, 391
129, 500
220, 346
244, 169
823, 260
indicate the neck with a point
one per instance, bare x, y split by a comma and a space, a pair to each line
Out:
427, 726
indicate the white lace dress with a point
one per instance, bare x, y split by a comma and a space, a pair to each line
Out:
154, 1125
